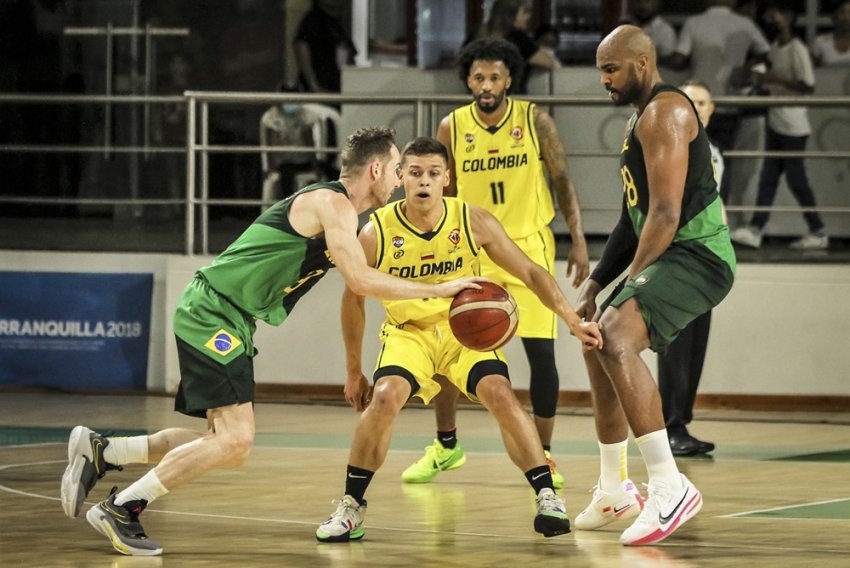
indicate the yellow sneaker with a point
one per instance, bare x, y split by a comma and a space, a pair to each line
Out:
557, 478
436, 459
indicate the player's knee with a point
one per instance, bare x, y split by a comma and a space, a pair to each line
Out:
389, 395
496, 394
236, 447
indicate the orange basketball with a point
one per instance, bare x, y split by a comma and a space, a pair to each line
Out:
483, 319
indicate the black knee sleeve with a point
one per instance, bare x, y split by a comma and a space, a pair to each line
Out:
544, 384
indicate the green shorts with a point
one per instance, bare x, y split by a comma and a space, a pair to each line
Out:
686, 281
215, 349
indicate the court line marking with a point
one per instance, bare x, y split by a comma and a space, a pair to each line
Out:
534, 538
810, 504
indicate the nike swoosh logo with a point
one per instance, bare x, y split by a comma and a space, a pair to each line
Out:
538, 476
97, 447
352, 476
617, 511
666, 519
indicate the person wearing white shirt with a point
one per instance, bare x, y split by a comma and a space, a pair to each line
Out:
788, 129
833, 49
644, 13
718, 44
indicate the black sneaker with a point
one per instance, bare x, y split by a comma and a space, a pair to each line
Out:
120, 524
85, 467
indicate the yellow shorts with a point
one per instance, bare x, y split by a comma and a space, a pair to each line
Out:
418, 354
535, 319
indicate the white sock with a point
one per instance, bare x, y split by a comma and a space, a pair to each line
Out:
613, 464
122, 450
660, 464
148, 488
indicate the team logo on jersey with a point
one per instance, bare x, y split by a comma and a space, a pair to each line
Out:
642, 279
493, 151
470, 148
454, 236
398, 241
427, 256
398, 254
222, 343
469, 138
516, 133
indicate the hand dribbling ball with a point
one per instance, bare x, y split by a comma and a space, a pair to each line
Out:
485, 319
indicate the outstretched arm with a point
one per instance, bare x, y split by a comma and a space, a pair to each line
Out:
555, 159
353, 319
489, 233
334, 214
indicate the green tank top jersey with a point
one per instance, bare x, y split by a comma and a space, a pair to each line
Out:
701, 227
270, 266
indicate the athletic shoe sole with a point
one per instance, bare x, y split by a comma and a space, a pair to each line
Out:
72, 491
689, 511
102, 523
349, 536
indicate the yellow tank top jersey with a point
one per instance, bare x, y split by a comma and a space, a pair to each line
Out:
500, 169
446, 253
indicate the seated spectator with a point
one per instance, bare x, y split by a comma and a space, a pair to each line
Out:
546, 38
833, 49
788, 129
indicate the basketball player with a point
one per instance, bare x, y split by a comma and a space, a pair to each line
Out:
500, 152
429, 238
261, 276
674, 244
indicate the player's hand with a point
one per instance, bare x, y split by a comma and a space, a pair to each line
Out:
590, 335
578, 263
451, 288
358, 393
586, 304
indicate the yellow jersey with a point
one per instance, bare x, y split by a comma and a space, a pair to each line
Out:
446, 253
500, 169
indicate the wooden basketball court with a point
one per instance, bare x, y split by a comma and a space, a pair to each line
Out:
777, 493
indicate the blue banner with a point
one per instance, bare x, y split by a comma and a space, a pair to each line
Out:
75, 330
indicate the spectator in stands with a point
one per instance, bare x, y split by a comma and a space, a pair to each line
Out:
788, 129
833, 49
718, 44
508, 20
546, 38
644, 13
680, 365
319, 35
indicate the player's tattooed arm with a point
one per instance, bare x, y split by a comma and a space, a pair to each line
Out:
554, 156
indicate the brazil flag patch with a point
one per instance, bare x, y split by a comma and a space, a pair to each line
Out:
222, 343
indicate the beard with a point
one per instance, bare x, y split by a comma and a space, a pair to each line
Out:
488, 108
630, 91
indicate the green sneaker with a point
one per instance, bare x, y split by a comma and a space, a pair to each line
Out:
436, 459
557, 478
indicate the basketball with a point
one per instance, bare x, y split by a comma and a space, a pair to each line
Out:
483, 319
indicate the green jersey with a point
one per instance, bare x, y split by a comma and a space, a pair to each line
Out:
270, 266
701, 227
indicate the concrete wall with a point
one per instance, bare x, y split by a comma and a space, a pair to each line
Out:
782, 330
601, 128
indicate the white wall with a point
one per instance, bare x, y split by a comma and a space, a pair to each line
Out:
782, 330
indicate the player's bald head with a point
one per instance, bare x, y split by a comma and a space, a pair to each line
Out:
627, 43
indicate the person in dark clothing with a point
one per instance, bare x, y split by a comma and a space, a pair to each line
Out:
319, 35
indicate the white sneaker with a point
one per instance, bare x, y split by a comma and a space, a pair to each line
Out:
666, 510
812, 241
623, 503
551, 519
345, 524
747, 236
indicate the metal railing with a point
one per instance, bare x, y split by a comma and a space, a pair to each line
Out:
425, 120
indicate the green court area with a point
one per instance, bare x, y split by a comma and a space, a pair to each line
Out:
829, 510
